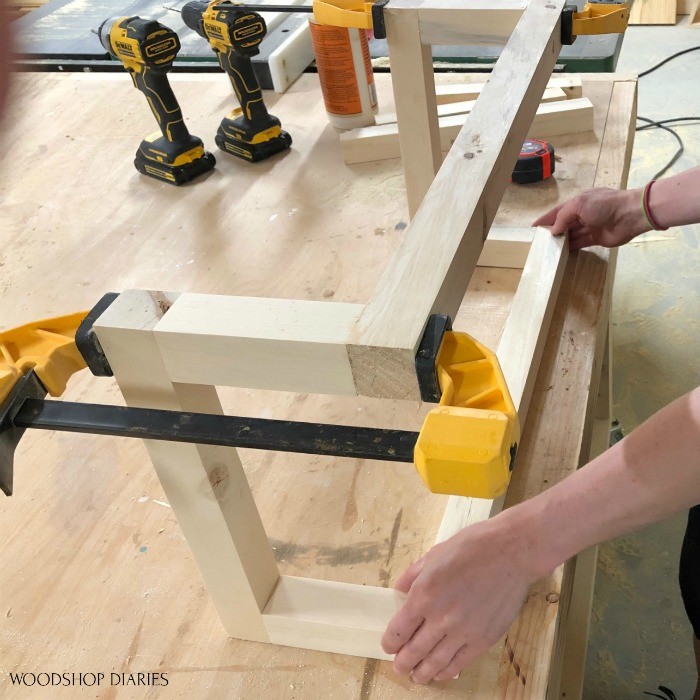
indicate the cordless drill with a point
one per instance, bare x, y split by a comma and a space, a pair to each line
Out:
147, 49
234, 34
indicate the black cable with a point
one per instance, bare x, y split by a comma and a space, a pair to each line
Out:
661, 124
666, 60
651, 123
669, 121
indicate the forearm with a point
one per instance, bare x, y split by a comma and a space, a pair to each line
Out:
674, 200
651, 474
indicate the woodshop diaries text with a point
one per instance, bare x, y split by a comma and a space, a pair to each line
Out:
44, 679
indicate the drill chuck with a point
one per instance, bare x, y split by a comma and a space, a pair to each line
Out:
192, 14
104, 32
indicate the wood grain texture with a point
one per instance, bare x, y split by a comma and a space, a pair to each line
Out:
78, 591
519, 352
450, 108
414, 95
441, 246
329, 616
371, 143
653, 12
259, 343
506, 247
445, 94
205, 485
570, 374
694, 12
466, 23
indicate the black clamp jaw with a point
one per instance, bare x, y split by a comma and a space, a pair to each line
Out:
426, 357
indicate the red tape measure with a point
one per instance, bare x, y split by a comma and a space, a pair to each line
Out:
535, 162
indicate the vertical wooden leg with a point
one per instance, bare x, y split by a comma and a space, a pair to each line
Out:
205, 485
578, 620
416, 105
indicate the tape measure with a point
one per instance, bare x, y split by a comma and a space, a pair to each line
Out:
535, 162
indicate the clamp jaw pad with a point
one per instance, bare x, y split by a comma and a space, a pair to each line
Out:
467, 445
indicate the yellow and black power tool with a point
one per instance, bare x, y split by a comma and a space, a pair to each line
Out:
147, 49
235, 33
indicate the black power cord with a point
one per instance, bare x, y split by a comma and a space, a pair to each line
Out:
662, 123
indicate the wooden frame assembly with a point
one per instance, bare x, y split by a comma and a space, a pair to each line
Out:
171, 350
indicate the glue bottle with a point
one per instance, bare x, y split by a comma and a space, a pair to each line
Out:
345, 73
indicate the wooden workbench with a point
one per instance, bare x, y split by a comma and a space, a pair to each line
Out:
95, 575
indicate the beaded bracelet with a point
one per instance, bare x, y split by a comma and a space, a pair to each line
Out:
647, 211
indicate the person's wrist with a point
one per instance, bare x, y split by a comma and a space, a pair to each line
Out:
632, 211
521, 532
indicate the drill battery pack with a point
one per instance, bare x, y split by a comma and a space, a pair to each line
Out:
239, 137
176, 163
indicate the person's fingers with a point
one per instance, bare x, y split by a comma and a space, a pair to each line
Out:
549, 218
460, 660
438, 659
401, 629
405, 581
581, 242
567, 217
417, 648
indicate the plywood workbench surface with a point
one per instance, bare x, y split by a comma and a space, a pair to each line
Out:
94, 573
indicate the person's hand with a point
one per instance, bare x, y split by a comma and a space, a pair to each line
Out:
462, 597
598, 217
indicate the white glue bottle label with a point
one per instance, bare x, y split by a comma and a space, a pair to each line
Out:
345, 73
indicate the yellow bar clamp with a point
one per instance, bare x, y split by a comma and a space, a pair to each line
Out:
603, 18
467, 445
48, 347
344, 13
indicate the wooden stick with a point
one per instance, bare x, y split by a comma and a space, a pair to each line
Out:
526, 329
205, 485
350, 619
413, 82
281, 344
432, 268
465, 22
572, 86
382, 142
449, 109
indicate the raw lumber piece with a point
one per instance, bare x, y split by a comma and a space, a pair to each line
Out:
573, 87
464, 107
350, 619
694, 19
381, 142
413, 82
431, 269
653, 12
259, 343
205, 485
506, 247
526, 328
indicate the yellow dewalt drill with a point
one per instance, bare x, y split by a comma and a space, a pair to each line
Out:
147, 49
234, 34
